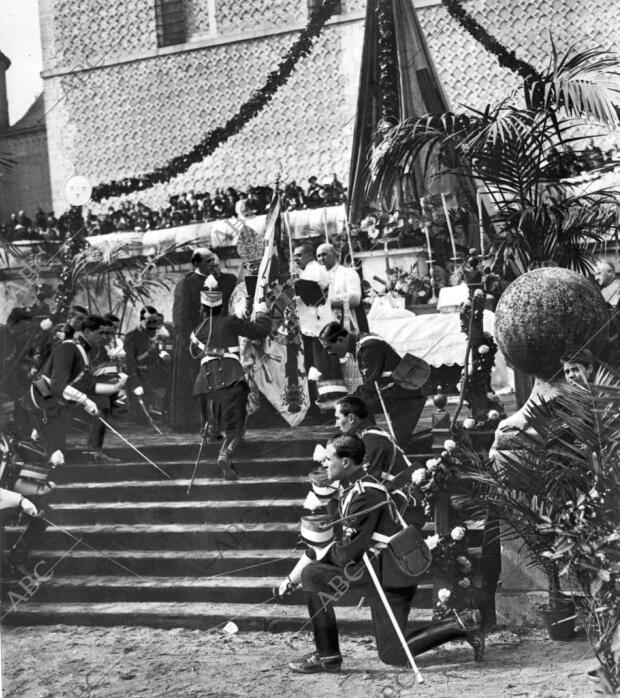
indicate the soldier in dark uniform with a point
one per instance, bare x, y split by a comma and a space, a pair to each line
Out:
23, 488
376, 360
367, 525
148, 364
66, 380
384, 459
185, 317
221, 378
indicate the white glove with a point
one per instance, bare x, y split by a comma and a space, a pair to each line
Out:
90, 407
286, 587
122, 379
28, 507
139, 391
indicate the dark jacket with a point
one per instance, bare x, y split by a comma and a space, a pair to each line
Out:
216, 342
186, 306
376, 359
362, 524
142, 356
383, 458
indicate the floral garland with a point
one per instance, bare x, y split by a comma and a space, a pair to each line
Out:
293, 396
437, 476
486, 407
66, 288
451, 567
507, 59
386, 56
219, 135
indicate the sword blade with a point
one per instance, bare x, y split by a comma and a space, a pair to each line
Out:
147, 414
390, 612
202, 443
137, 450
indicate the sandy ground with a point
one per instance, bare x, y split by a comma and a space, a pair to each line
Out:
89, 662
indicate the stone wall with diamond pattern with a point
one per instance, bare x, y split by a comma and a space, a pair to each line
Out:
119, 105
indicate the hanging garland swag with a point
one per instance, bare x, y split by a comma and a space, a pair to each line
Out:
248, 110
507, 59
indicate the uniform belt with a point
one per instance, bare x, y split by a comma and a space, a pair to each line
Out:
227, 355
380, 540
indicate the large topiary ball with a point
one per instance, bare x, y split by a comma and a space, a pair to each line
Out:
547, 314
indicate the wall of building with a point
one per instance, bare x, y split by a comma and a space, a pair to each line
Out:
27, 186
117, 105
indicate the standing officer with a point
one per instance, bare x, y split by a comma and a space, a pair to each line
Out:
185, 317
148, 365
221, 379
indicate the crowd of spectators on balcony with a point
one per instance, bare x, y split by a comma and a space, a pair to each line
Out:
182, 209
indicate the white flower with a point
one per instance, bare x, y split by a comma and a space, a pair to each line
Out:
457, 533
443, 595
464, 562
57, 458
469, 423
319, 453
46, 324
494, 415
418, 476
432, 463
314, 374
465, 583
483, 349
449, 445
164, 355
432, 542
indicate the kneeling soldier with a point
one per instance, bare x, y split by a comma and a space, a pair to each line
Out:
367, 511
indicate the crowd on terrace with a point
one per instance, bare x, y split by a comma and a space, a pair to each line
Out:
182, 209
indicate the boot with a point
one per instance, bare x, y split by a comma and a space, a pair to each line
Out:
466, 624
327, 657
225, 464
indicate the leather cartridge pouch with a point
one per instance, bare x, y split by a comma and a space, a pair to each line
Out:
409, 552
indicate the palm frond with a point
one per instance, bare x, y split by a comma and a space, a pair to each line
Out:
583, 84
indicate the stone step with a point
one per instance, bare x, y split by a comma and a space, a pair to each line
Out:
174, 563
174, 490
213, 617
134, 470
224, 589
177, 469
180, 512
169, 563
188, 450
251, 531
247, 534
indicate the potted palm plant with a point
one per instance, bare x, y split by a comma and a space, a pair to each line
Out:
557, 491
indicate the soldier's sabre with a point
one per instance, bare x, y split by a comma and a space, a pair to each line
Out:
390, 612
147, 414
202, 444
137, 450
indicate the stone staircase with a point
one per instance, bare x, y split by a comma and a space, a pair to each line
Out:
129, 547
